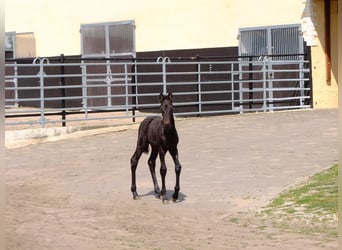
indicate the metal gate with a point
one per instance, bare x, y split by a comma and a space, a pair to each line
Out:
275, 57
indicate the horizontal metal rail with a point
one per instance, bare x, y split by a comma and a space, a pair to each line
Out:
53, 93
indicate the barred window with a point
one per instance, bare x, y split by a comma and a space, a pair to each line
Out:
108, 39
280, 40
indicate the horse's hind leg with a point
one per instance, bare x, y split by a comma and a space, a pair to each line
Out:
134, 163
152, 165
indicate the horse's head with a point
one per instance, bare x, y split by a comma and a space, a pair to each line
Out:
166, 108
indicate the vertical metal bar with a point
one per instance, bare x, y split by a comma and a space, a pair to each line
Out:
15, 81
299, 36
160, 60
241, 86
134, 90
264, 76
41, 84
84, 89
309, 84
107, 46
165, 59
232, 83
272, 46
109, 81
199, 88
63, 105
250, 78
301, 81
270, 77
269, 42
126, 89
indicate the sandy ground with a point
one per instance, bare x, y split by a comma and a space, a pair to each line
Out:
75, 193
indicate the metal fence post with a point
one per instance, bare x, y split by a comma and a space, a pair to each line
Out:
63, 91
41, 75
15, 82
108, 81
308, 75
301, 82
164, 60
126, 89
264, 76
199, 87
84, 89
240, 87
270, 78
250, 78
134, 91
233, 82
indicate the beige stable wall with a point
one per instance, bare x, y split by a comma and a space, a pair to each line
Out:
325, 92
160, 24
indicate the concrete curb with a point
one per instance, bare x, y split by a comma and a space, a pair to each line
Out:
25, 137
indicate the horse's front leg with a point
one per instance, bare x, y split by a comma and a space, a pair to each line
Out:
163, 171
152, 165
178, 168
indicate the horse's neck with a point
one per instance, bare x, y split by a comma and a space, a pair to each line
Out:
172, 120
172, 129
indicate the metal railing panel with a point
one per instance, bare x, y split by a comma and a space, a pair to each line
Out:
130, 89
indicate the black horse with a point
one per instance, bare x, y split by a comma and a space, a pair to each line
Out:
161, 134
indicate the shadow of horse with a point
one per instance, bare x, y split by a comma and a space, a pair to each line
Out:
181, 197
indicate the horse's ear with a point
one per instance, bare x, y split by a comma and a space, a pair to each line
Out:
161, 97
170, 96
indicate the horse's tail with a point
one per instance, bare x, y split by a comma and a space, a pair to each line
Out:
142, 137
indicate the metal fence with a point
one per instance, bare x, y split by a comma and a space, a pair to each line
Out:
64, 90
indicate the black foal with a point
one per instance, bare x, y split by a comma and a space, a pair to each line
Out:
161, 134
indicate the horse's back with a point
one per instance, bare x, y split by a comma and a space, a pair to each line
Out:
145, 124
145, 131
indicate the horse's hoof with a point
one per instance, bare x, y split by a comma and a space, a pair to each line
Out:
136, 198
166, 201
174, 197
